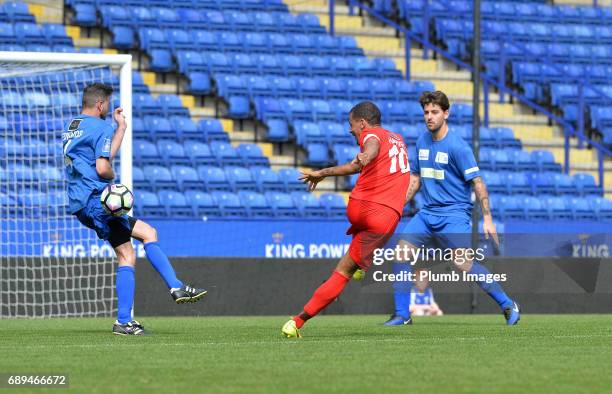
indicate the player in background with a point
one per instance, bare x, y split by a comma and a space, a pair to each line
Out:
422, 301
90, 145
446, 171
374, 208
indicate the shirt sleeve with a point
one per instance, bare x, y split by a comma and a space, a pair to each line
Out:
464, 157
413, 159
103, 144
366, 136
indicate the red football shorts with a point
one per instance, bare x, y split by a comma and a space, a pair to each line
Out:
372, 225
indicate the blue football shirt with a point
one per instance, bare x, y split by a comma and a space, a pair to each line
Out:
424, 298
84, 140
446, 168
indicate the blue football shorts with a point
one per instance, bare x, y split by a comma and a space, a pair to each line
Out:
117, 230
437, 231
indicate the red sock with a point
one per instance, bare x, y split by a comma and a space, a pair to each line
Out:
322, 297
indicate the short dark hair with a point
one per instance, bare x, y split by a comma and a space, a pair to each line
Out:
436, 98
96, 92
367, 111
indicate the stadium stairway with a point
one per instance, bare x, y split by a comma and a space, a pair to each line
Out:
532, 129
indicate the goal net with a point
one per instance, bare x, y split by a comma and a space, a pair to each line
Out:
50, 265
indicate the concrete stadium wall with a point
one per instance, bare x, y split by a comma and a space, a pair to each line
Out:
281, 287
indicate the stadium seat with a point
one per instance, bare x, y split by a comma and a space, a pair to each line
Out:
214, 178
148, 204
225, 153
172, 105
282, 205
256, 204
308, 204
199, 153
602, 207
145, 152
334, 204
213, 130
290, 178
545, 160
266, 179
175, 203
172, 152
278, 131
580, 208
585, 183
202, 204
186, 177
160, 177
229, 204
240, 178
252, 155
185, 128
556, 208
317, 155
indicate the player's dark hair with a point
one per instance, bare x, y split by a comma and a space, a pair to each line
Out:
436, 98
367, 111
96, 92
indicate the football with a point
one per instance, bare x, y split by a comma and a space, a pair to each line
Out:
117, 199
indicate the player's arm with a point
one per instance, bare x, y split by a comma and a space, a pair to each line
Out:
104, 168
413, 186
480, 189
370, 151
119, 133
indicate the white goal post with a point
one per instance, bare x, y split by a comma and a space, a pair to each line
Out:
51, 265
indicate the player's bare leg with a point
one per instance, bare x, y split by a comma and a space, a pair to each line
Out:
510, 308
401, 289
125, 284
323, 296
180, 292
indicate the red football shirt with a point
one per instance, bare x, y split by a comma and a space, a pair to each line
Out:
385, 179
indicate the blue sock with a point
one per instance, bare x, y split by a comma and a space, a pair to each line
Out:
160, 262
125, 293
401, 290
492, 288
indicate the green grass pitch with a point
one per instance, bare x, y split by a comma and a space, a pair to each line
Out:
350, 354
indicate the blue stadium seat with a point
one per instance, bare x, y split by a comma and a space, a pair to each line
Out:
172, 152
545, 160
252, 155
161, 60
226, 154
148, 205
336, 134
282, 205
518, 183
185, 128
602, 207
175, 203
345, 153
160, 127
85, 15
256, 204
167, 17
172, 105
214, 178
142, 16
266, 179
199, 153
320, 110
139, 180
308, 204
334, 204
580, 208
333, 88
278, 131
240, 178
56, 34
496, 183
258, 86
202, 203
542, 182
145, 152
534, 208
308, 132
123, 37
213, 130
30, 33
144, 104
290, 178
585, 183
199, 83
186, 177
160, 177
563, 184
18, 11
308, 87
229, 204
317, 155
556, 208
